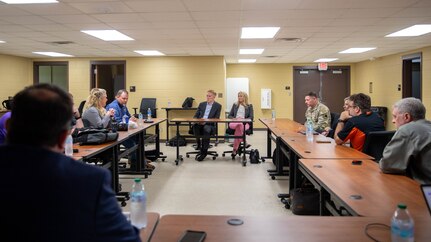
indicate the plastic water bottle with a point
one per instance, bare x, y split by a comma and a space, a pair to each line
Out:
149, 114
140, 119
273, 114
68, 146
309, 130
125, 119
138, 206
402, 225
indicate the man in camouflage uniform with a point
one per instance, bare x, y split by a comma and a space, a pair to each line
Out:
318, 113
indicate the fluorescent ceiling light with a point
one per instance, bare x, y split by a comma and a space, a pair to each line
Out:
246, 60
28, 1
356, 50
149, 52
1, 41
53, 54
107, 35
326, 59
259, 32
415, 30
250, 51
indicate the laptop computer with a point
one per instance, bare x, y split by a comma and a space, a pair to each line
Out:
426, 190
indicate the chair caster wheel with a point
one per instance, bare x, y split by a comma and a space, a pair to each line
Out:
273, 177
123, 204
214, 157
223, 155
163, 159
182, 159
287, 206
244, 163
188, 156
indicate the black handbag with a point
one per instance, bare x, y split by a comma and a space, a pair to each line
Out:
305, 201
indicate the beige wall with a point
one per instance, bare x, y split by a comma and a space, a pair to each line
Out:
386, 75
272, 76
16, 73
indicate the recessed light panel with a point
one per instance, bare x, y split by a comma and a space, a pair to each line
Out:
250, 51
259, 32
53, 54
415, 30
28, 1
149, 52
356, 50
326, 59
107, 35
246, 60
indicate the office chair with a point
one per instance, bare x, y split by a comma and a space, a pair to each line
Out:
81, 107
376, 142
148, 103
334, 122
230, 131
212, 153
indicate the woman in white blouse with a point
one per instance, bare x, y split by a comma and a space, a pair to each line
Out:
241, 109
95, 114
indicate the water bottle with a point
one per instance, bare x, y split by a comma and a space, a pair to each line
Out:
140, 118
125, 119
138, 205
68, 146
149, 114
309, 130
402, 225
169, 103
273, 114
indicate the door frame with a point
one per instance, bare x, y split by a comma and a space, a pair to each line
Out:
406, 74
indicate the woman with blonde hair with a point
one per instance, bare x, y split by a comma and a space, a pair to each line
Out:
240, 109
95, 114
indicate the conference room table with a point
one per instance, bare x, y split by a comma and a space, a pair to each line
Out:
169, 123
152, 220
283, 229
275, 128
179, 121
112, 150
298, 147
362, 189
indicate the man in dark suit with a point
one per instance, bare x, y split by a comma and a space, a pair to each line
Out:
208, 109
46, 195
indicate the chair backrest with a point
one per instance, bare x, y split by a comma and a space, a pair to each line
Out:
334, 121
148, 103
81, 107
376, 142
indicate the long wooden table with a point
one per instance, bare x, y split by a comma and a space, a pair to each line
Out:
275, 129
169, 123
298, 147
152, 220
363, 190
283, 229
179, 121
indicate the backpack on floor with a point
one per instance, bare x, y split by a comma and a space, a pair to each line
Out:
254, 156
181, 141
284, 159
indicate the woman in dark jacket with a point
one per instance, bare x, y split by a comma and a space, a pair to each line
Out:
241, 109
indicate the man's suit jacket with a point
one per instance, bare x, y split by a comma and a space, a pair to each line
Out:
47, 196
214, 113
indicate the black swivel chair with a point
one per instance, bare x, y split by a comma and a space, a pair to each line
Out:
148, 103
81, 107
230, 131
212, 153
334, 121
376, 142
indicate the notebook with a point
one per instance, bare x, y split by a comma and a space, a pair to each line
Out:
426, 190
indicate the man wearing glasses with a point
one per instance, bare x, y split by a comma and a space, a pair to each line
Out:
361, 122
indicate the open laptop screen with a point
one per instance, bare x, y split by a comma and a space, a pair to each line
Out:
426, 190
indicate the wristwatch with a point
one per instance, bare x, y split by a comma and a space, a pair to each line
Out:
342, 121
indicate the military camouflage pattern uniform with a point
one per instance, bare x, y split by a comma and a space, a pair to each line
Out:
320, 116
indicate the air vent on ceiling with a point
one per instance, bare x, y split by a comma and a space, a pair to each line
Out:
61, 42
290, 39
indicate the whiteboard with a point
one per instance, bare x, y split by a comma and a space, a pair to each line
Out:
233, 86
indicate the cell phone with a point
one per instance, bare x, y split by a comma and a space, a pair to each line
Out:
357, 162
193, 236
